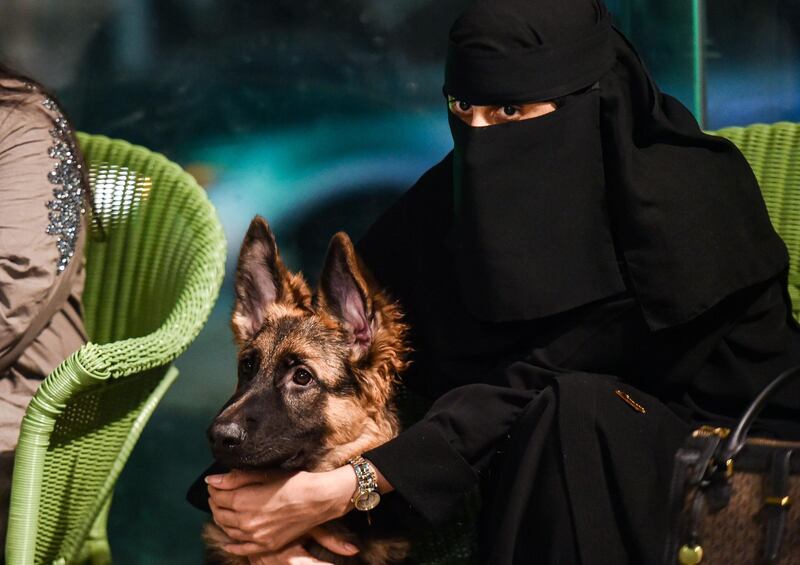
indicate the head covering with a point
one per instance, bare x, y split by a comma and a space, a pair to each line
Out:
617, 190
522, 51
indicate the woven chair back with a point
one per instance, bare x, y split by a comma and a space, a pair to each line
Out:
773, 151
155, 261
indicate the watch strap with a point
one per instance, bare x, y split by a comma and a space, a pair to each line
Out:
367, 480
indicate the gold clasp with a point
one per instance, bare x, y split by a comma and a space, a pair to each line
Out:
781, 501
705, 431
630, 401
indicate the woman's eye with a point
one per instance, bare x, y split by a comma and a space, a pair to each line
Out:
302, 377
464, 106
510, 110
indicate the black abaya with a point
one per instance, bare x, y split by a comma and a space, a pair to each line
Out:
571, 473
667, 283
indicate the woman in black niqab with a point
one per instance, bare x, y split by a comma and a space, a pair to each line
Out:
551, 270
546, 264
621, 151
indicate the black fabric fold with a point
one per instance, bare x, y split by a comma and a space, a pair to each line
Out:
435, 477
687, 210
543, 72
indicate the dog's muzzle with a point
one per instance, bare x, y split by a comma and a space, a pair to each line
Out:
226, 436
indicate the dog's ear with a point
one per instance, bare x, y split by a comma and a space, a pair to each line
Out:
262, 280
344, 293
377, 333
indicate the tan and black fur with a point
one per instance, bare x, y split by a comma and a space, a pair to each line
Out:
316, 374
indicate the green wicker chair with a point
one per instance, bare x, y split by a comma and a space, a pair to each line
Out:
153, 275
773, 151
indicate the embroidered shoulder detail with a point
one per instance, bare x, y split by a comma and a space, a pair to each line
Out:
68, 205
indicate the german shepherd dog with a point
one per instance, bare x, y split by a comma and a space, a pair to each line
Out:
316, 376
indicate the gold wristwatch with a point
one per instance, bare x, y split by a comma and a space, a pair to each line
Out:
366, 497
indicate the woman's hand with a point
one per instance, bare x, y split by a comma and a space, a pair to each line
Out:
263, 512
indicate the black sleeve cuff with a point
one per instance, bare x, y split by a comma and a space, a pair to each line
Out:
425, 470
197, 495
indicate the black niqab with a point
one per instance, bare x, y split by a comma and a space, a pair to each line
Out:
617, 188
543, 179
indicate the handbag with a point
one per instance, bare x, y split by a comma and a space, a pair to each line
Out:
731, 496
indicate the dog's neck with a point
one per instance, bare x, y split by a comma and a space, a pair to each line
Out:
376, 429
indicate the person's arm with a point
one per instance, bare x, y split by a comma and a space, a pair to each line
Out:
431, 466
28, 253
435, 462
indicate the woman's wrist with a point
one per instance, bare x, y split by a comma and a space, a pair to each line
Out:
336, 487
334, 490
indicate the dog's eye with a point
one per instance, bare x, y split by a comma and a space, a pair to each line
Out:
302, 377
247, 367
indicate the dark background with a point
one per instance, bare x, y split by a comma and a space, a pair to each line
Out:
316, 114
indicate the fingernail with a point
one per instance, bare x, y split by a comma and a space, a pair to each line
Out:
213, 479
350, 547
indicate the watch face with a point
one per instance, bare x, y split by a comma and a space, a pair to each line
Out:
367, 500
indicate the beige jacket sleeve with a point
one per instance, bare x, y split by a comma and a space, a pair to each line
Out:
29, 255
33, 295
40, 312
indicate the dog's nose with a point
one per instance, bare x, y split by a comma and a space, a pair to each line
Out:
226, 435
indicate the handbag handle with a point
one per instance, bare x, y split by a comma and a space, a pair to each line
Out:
736, 439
